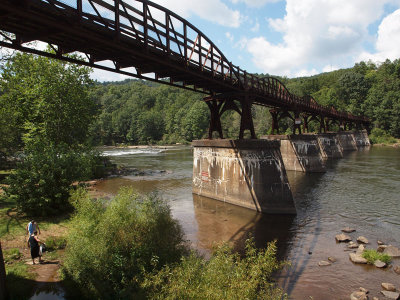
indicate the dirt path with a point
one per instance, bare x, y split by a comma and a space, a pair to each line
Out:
46, 271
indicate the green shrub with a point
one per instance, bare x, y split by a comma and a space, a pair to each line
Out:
55, 243
41, 183
225, 276
372, 255
379, 136
111, 245
11, 254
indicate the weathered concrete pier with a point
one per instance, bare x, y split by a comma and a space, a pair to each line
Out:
252, 173
309, 152
300, 152
248, 173
330, 145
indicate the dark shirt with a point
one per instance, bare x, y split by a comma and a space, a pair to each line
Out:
33, 242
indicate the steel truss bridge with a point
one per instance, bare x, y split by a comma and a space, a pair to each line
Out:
147, 41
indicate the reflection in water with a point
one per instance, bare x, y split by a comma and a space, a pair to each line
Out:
48, 291
361, 191
223, 222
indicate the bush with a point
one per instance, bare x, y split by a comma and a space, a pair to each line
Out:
225, 276
379, 136
372, 255
111, 245
55, 243
41, 183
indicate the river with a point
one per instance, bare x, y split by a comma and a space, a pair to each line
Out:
362, 190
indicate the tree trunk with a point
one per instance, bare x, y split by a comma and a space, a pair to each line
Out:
3, 289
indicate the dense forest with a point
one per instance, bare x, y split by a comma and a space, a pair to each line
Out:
139, 112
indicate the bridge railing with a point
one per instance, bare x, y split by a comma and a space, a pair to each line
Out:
157, 29
164, 33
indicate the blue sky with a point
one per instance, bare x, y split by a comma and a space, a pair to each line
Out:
293, 37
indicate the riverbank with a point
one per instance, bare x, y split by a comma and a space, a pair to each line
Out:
396, 145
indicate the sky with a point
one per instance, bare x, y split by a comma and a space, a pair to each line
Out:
293, 37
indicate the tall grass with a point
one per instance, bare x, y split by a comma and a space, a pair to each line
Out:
372, 255
225, 276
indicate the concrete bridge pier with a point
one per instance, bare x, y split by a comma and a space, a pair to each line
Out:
247, 173
300, 152
330, 145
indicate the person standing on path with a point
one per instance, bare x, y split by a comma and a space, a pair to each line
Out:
32, 227
33, 242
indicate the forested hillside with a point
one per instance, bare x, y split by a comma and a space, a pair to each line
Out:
138, 112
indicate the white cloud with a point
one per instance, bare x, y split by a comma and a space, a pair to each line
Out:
317, 33
305, 72
229, 36
211, 10
387, 43
256, 27
330, 68
255, 3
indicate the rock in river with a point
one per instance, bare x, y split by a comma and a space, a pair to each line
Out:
357, 258
332, 259
323, 263
358, 296
391, 295
362, 239
348, 230
388, 287
381, 248
392, 251
379, 264
352, 245
342, 238
396, 269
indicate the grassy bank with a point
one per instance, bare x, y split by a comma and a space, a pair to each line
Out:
21, 274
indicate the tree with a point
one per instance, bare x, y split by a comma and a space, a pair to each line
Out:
49, 102
48, 98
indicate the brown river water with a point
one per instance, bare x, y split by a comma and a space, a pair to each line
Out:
361, 190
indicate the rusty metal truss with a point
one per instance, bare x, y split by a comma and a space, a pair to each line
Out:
145, 40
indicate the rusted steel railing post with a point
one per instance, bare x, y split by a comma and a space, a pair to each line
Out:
145, 26
167, 39
116, 15
79, 7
